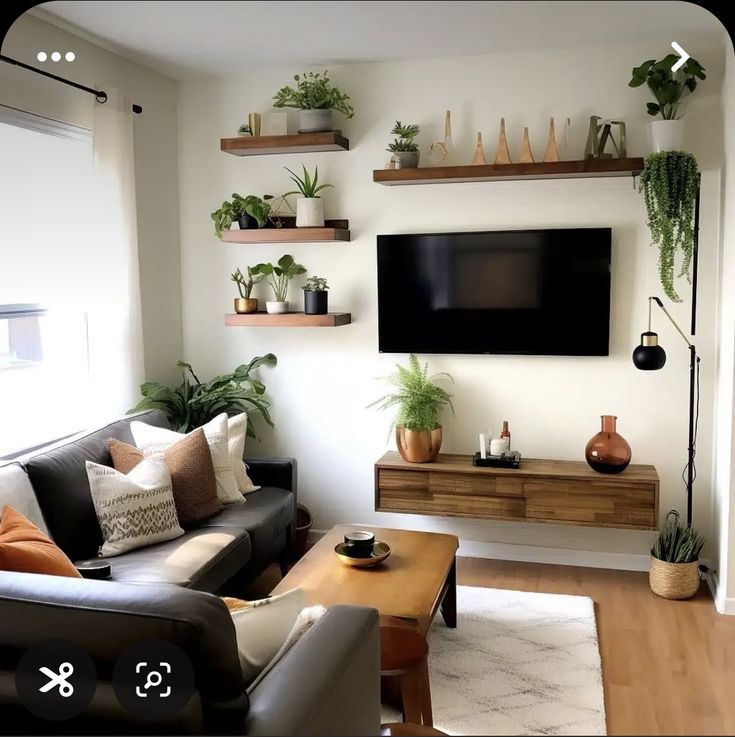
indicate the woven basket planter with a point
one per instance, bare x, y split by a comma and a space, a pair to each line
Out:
674, 580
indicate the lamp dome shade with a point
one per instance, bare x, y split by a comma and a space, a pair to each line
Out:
649, 355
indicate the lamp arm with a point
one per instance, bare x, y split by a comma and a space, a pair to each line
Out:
671, 319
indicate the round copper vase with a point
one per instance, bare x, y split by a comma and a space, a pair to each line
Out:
244, 306
419, 447
608, 451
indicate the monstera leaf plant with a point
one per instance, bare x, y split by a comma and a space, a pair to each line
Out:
193, 403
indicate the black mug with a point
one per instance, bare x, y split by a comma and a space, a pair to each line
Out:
359, 543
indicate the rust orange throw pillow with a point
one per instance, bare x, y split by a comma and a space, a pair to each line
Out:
24, 548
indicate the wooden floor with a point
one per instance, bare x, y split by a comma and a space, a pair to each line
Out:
668, 666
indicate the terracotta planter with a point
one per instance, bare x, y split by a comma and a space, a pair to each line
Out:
243, 306
419, 447
673, 580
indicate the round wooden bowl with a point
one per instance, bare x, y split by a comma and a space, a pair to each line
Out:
380, 552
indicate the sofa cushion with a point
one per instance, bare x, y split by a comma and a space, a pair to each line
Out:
266, 515
200, 559
59, 478
16, 492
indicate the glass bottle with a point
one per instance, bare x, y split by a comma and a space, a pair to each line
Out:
608, 451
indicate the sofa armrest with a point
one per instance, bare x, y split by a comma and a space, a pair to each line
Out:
278, 472
327, 684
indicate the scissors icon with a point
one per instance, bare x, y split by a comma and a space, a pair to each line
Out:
59, 679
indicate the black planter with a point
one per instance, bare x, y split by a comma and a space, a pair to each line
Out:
315, 303
246, 222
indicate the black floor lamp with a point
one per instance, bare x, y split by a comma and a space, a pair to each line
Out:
650, 356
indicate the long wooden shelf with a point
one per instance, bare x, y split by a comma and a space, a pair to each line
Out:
333, 230
509, 172
556, 492
301, 143
288, 320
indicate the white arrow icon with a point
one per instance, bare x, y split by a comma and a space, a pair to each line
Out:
684, 56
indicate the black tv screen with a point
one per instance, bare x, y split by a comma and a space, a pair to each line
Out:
531, 292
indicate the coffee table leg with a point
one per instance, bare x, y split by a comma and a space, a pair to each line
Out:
449, 604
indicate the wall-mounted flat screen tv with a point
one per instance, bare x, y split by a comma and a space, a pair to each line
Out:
527, 292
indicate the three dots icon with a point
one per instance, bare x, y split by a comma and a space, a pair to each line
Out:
55, 56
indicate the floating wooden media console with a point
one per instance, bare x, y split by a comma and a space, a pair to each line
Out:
559, 492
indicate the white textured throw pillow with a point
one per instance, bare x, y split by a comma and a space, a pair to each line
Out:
134, 509
263, 628
153, 441
237, 427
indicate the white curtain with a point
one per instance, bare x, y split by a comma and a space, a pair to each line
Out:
115, 327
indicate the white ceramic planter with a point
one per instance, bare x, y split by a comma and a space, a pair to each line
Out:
315, 121
667, 135
309, 212
276, 308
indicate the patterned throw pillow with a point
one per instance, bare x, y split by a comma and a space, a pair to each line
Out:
155, 440
136, 509
237, 427
192, 474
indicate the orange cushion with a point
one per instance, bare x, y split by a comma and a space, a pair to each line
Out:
24, 548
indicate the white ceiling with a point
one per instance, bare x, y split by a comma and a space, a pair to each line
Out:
218, 37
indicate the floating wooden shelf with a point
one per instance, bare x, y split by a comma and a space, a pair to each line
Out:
288, 320
333, 230
301, 143
557, 492
509, 172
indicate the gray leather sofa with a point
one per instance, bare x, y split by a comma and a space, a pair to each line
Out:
328, 683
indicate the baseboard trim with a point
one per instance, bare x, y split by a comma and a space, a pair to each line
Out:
539, 554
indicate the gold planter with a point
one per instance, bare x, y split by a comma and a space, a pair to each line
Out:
673, 580
244, 306
419, 447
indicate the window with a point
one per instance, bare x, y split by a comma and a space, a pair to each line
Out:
47, 275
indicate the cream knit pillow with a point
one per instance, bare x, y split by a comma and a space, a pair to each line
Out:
237, 427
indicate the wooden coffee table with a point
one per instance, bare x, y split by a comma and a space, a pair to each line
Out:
417, 580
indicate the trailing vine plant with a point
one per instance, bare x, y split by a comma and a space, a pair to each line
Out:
669, 184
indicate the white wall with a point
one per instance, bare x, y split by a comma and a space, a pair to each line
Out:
325, 378
156, 152
724, 487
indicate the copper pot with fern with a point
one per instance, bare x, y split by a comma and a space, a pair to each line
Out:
420, 400
419, 446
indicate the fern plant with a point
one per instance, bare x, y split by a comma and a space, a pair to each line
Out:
418, 398
676, 543
193, 403
405, 140
669, 183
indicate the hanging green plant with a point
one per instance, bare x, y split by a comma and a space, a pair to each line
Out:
669, 183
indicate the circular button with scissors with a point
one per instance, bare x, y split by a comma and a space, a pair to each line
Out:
58, 680
55, 680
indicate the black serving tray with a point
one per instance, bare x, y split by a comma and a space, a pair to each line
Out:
507, 460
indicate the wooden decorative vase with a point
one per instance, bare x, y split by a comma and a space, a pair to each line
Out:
419, 446
673, 580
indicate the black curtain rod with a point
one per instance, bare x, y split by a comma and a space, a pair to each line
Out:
100, 95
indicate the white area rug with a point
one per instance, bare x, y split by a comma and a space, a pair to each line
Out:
518, 663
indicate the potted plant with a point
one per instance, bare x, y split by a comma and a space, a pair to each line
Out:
404, 148
315, 97
315, 296
278, 276
245, 303
669, 88
669, 183
309, 209
248, 212
420, 402
674, 571
194, 403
